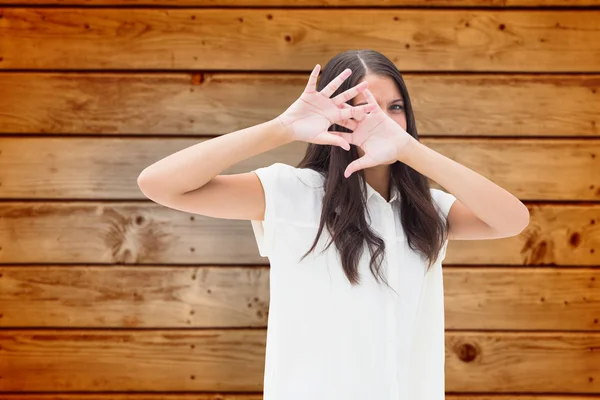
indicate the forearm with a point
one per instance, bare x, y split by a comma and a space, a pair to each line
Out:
194, 166
488, 201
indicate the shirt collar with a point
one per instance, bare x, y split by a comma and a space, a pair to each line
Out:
395, 193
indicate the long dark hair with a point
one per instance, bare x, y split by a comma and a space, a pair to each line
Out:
425, 229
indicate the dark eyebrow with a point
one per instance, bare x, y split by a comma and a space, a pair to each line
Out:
391, 102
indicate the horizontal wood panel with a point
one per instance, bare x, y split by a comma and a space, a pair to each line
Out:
108, 168
200, 396
258, 396
293, 40
557, 235
105, 168
148, 233
140, 297
522, 298
230, 360
313, 3
214, 103
208, 297
233, 360
495, 362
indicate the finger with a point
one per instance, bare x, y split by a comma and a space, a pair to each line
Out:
336, 83
348, 123
344, 135
356, 112
371, 99
361, 112
328, 138
361, 163
311, 86
350, 93
355, 118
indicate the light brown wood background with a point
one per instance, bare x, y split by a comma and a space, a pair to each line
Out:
106, 295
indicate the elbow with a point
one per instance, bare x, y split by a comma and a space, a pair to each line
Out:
513, 225
143, 180
520, 221
147, 184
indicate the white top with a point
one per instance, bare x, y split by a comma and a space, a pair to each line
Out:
328, 340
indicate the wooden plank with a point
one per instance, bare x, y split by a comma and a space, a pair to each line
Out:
573, 239
199, 396
171, 396
523, 362
476, 298
104, 168
215, 103
233, 360
293, 40
174, 361
481, 298
107, 168
92, 168
134, 297
148, 233
531, 169
315, 3
257, 396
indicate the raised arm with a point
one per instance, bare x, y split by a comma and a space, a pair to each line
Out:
189, 180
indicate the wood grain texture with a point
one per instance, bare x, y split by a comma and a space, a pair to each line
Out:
170, 361
105, 168
215, 103
233, 360
476, 298
316, 3
296, 40
256, 396
499, 299
565, 235
108, 168
147, 233
134, 297
523, 362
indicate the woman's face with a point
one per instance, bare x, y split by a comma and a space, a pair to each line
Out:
388, 97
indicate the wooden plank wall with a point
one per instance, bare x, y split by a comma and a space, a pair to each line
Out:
105, 295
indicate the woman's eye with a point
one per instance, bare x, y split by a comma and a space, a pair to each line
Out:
397, 105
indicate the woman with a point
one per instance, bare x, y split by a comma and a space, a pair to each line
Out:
345, 323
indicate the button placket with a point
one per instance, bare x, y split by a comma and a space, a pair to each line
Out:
389, 231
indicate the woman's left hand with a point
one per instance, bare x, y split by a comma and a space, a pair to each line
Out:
379, 136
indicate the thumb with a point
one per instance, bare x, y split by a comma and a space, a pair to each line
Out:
358, 164
331, 139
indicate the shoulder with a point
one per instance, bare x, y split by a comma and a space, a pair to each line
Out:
294, 195
289, 177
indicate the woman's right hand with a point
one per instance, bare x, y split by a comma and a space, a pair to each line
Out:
309, 117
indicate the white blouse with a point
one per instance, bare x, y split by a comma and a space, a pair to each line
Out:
328, 340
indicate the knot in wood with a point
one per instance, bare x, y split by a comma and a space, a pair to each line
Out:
467, 352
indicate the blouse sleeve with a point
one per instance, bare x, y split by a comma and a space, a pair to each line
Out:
274, 179
444, 202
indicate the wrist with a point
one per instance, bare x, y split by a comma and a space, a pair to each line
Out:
406, 149
282, 131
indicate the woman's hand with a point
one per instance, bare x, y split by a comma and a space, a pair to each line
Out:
379, 136
309, 117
